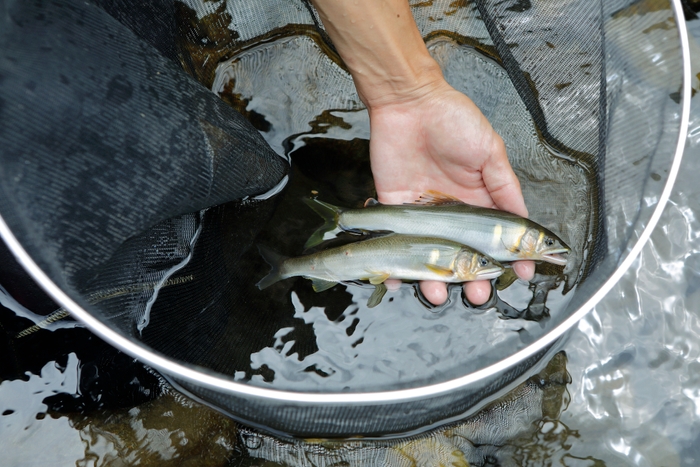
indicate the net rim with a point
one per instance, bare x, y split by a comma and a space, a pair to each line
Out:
199, 377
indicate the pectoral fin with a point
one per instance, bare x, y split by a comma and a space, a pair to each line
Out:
319, 285
445, 272
376, 297
506, 279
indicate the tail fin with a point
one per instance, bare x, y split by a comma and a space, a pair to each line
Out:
274, 260
329, 213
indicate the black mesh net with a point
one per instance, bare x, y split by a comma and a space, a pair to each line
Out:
144, 196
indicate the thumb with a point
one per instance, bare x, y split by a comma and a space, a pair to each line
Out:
501, 182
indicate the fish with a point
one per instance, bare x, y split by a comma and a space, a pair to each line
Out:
501, 235
395, 256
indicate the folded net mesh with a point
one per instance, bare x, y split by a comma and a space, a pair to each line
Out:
144, 195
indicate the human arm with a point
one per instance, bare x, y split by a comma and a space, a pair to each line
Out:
424, 135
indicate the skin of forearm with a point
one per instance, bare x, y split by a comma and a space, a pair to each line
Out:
380, 43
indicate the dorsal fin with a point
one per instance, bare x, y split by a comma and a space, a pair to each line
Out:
371, 202
435, 198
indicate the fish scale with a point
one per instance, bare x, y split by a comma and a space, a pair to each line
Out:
501, 235
397, 256
461, 223
401, 256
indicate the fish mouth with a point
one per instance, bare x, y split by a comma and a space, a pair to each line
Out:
490, 273
556, 256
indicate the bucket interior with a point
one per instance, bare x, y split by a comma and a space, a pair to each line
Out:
139, 198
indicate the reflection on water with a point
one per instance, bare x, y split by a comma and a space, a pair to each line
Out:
632, 400
329, 154
173, 430
390, 347
634, 388
507, 430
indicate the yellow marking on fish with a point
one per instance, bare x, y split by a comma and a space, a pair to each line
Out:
453, 264
440, 270
497, 232
434, 256
528, 243
516, 248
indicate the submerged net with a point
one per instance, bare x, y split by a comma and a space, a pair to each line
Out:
144, 196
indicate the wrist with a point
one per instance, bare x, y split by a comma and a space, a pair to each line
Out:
382, 47
408, 79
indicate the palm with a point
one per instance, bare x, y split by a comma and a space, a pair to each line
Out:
442, 142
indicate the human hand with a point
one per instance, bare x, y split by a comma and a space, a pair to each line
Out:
424, 135
436, 138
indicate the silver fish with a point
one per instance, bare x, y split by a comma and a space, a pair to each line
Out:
394, 256
501, 235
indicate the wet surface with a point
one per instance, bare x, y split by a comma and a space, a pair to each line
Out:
633, 397
335, 337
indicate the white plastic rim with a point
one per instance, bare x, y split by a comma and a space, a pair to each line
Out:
182, 372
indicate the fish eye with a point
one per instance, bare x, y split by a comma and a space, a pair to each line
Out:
483, 261
549, 241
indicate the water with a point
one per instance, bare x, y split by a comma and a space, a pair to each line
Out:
333, 342
633, 399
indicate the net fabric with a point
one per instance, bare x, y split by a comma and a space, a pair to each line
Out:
553, 53
544, 66
560, 81
319, 100
386, 419
644, 109
104, 137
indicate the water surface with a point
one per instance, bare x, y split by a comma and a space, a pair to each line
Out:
633, 398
